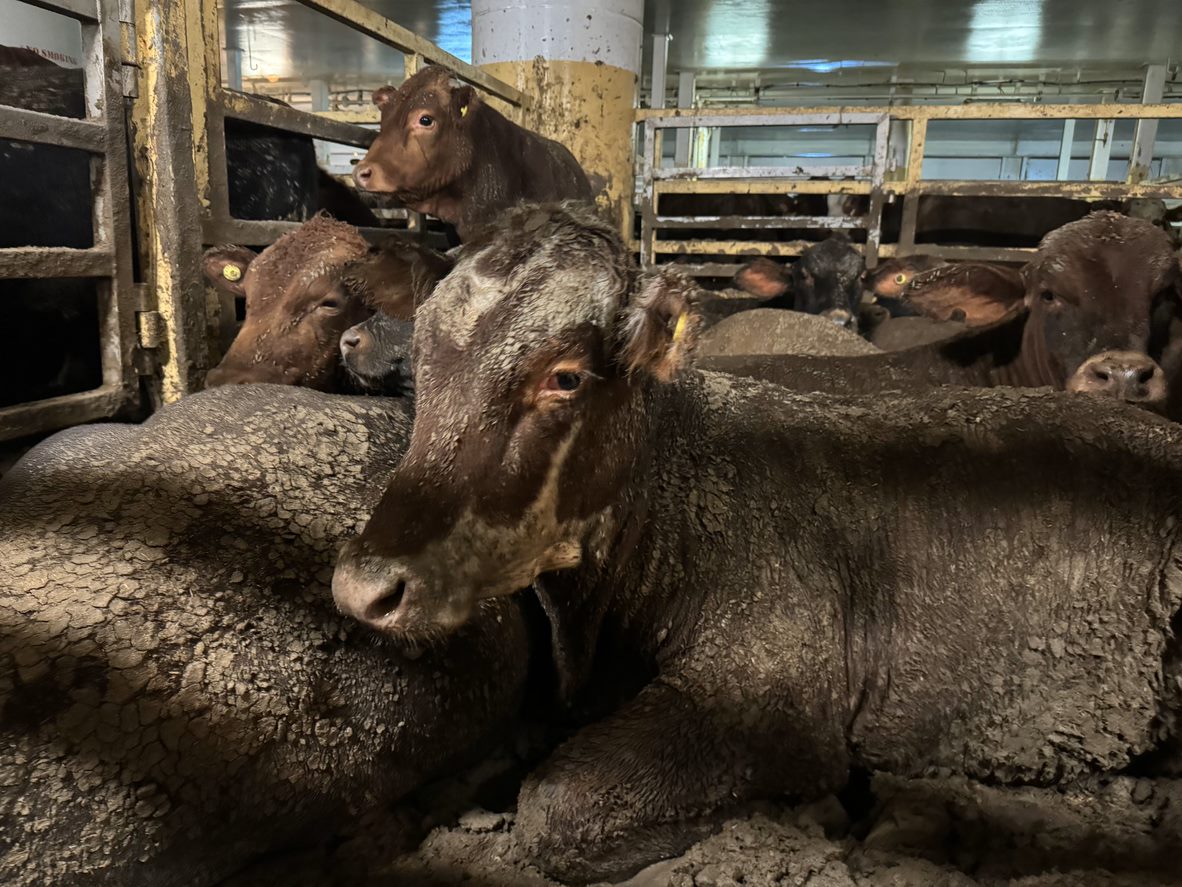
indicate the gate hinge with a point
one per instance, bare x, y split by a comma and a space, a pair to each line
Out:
130, 68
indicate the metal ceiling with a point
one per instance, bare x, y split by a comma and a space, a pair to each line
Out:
790, 39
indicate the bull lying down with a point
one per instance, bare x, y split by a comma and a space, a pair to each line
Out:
980, 583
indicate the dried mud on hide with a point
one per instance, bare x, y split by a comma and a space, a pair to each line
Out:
1116, 832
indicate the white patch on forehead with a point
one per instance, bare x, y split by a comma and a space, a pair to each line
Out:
565, 291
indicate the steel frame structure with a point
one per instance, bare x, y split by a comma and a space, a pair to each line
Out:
876, 179
102, 134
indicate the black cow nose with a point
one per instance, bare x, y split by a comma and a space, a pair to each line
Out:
1127, 375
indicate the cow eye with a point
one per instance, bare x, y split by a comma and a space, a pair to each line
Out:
900, 279
330, 305
1047, 296
426, 121
564, 381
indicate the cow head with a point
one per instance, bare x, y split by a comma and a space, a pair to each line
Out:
825, 280
1102, 295
376, 355
425, 142
308, 288
529, 361
891, 278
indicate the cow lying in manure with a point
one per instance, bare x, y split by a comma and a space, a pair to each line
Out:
307, 289
179, 694
980, 582
1101, 315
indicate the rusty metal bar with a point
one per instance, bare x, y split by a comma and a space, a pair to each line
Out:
1079, 190
79, 10
1145, 134
45, 262
762, 222
242, 106
680, 118
738, 186
380, 28
961, 253
761, 172
878, 167
58, 412
733, 247
49, 129
171, 146
974, 111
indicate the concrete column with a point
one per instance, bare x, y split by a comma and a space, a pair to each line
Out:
580, 60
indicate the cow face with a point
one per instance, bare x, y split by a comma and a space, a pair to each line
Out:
529, 360
828, 280
305, 290
424, 143
376, 355
297, 305
1102, 296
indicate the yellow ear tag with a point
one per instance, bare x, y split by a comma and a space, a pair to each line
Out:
464, 111
231, 272
679, 330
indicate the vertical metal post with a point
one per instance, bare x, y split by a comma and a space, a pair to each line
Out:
320, 104
878, 171
168, 136
915, 152
1145, 134
1011, 168
649, 160
1101, 150
656, 97
685, 99
1063, 170
233, 50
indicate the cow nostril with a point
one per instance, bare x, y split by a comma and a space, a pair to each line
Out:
1102, 375
1145, 375
350, 340
387, 603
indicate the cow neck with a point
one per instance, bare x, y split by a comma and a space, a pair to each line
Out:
603, 614
986, 356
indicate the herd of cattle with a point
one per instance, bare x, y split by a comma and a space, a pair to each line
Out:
744, 576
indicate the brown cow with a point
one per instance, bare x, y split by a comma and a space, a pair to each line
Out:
308, 288
442, 150
785, 587
1102, 296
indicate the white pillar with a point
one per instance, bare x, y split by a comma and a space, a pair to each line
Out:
580, 60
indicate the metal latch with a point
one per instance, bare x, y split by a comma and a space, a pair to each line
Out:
151, 328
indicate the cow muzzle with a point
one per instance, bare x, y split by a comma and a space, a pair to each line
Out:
389, 596
1126, 375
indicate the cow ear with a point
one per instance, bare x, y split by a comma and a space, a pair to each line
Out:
763, 278
660, 325
225, 267
383, 95
397, 277
463, 100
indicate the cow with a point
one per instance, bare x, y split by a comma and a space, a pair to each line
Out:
442, 150
775, 331
305, 290
975, 582
180, 696
1099, 315
376, 355
975, 293
825, 280
888, 279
